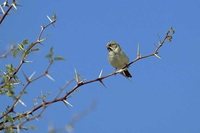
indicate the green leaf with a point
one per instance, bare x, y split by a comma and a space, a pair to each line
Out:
14, 51
53, 17
10, 93
51, 51
25, 42
10, 68
50, 55
58, 58
9, 129
8, 118
21, 47
35, 49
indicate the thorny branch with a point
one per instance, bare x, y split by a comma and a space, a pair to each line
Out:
28, 50
45, 104
29, 80
5, 13
17, 98
168, 37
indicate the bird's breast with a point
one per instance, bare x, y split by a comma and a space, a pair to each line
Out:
118, 60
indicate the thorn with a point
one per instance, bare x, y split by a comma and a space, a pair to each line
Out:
49, 19
102, 83
35, 102
16, 83
4, 73
160, 43
156, 55
28, 61
49, 77
120, 70
54, 17
67, 103
172, 30
22, 103
18, 129
138, 51
41, 40
14, 5
77, 77
26, 77
2, 9
31, 76
42, 27
5, 4
100, 74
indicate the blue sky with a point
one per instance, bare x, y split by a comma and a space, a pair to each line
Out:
163, 95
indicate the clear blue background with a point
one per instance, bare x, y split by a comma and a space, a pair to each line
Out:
162, 97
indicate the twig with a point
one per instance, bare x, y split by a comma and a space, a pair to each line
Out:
167, 37
63, 88
32, 118
5, 14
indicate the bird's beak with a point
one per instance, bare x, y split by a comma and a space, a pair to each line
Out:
109, 48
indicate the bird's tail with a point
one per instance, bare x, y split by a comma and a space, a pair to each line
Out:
126, 73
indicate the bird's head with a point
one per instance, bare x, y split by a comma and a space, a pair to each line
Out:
113, 46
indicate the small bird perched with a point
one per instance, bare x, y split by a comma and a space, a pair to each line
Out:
118, 58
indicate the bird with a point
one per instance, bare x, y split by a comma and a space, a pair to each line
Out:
117, 58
